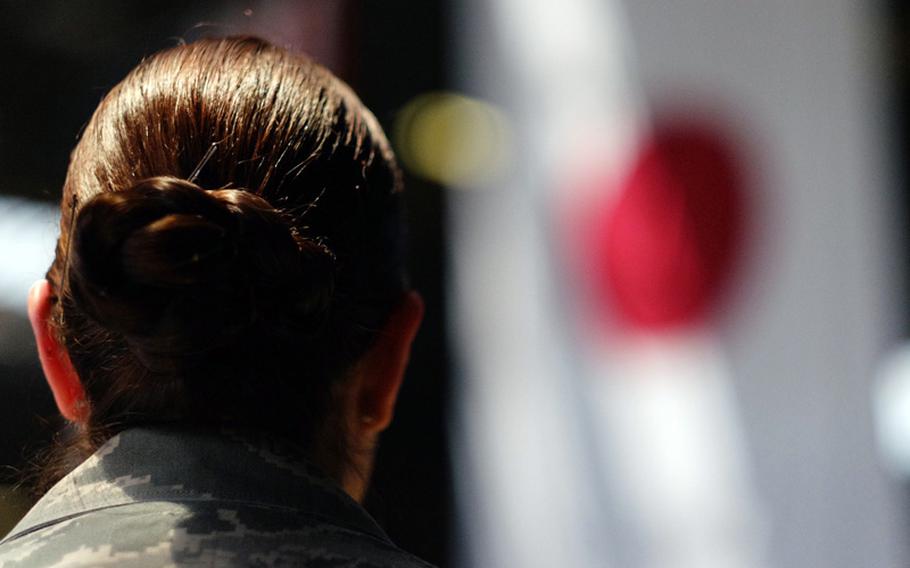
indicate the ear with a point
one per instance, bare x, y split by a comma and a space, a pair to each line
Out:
55, 361
381, 371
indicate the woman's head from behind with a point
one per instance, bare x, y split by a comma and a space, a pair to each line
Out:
230, 253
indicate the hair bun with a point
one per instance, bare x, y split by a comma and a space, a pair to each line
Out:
170, 265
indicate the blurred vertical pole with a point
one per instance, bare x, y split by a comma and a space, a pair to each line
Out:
530, 491
893, 395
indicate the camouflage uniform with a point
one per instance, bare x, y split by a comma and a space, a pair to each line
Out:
163, 497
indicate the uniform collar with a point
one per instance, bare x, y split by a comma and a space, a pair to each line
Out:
179, 465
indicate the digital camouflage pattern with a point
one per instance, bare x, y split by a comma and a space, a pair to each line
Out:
165, 497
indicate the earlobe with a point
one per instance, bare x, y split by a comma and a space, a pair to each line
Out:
384, 366
55, 362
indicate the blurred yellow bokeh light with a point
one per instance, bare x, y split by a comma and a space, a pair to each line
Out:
452, 139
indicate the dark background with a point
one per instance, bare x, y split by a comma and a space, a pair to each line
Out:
59, 58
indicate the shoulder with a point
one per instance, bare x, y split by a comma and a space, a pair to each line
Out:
205, 533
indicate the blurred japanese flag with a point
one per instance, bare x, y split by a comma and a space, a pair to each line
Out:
596, 421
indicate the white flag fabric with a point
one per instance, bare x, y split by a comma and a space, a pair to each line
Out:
580, 449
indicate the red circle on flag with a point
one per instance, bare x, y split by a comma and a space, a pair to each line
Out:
666, 246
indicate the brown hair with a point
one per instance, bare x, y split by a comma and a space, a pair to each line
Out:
229, 245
